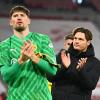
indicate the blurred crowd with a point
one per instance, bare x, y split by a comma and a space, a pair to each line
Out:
3, 91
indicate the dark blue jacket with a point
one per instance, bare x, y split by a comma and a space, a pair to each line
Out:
70, 84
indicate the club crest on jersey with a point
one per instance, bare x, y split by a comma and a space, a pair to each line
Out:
50, 45
13, 60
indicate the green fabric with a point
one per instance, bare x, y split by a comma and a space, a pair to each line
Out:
28, 80
13, 71
42, 63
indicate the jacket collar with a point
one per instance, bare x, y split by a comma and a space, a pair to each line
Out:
89, 52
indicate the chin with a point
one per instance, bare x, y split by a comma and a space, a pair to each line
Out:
76, 48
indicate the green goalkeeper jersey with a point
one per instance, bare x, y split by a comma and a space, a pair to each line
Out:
27, 81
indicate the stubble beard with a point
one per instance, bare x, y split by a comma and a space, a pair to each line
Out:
19, 29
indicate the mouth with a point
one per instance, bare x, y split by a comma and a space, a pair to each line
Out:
19, 23
76, 46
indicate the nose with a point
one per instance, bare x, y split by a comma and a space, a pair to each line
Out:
76, 41
19, 17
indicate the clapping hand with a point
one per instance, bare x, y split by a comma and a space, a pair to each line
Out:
27, 51
81, 63
65, 59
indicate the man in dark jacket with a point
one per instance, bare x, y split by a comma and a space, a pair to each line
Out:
68, 39
80, 69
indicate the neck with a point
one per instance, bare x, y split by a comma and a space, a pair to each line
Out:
21, 34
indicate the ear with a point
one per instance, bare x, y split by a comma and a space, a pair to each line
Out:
29, 21
10, 22
88, 43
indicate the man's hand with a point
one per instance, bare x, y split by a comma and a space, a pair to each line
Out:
27, 51
81, 63
65, 59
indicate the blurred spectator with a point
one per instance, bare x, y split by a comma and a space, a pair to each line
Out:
17, 1
3, 91
3, 96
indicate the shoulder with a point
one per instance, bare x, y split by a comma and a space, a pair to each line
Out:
97, 60
40, 35
5, 44
94, 61
4, 48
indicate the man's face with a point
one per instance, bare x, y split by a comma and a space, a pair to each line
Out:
19, 21
80, 43
67, 43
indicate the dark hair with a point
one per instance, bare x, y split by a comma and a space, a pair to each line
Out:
19, 8
87, 32
68, 36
